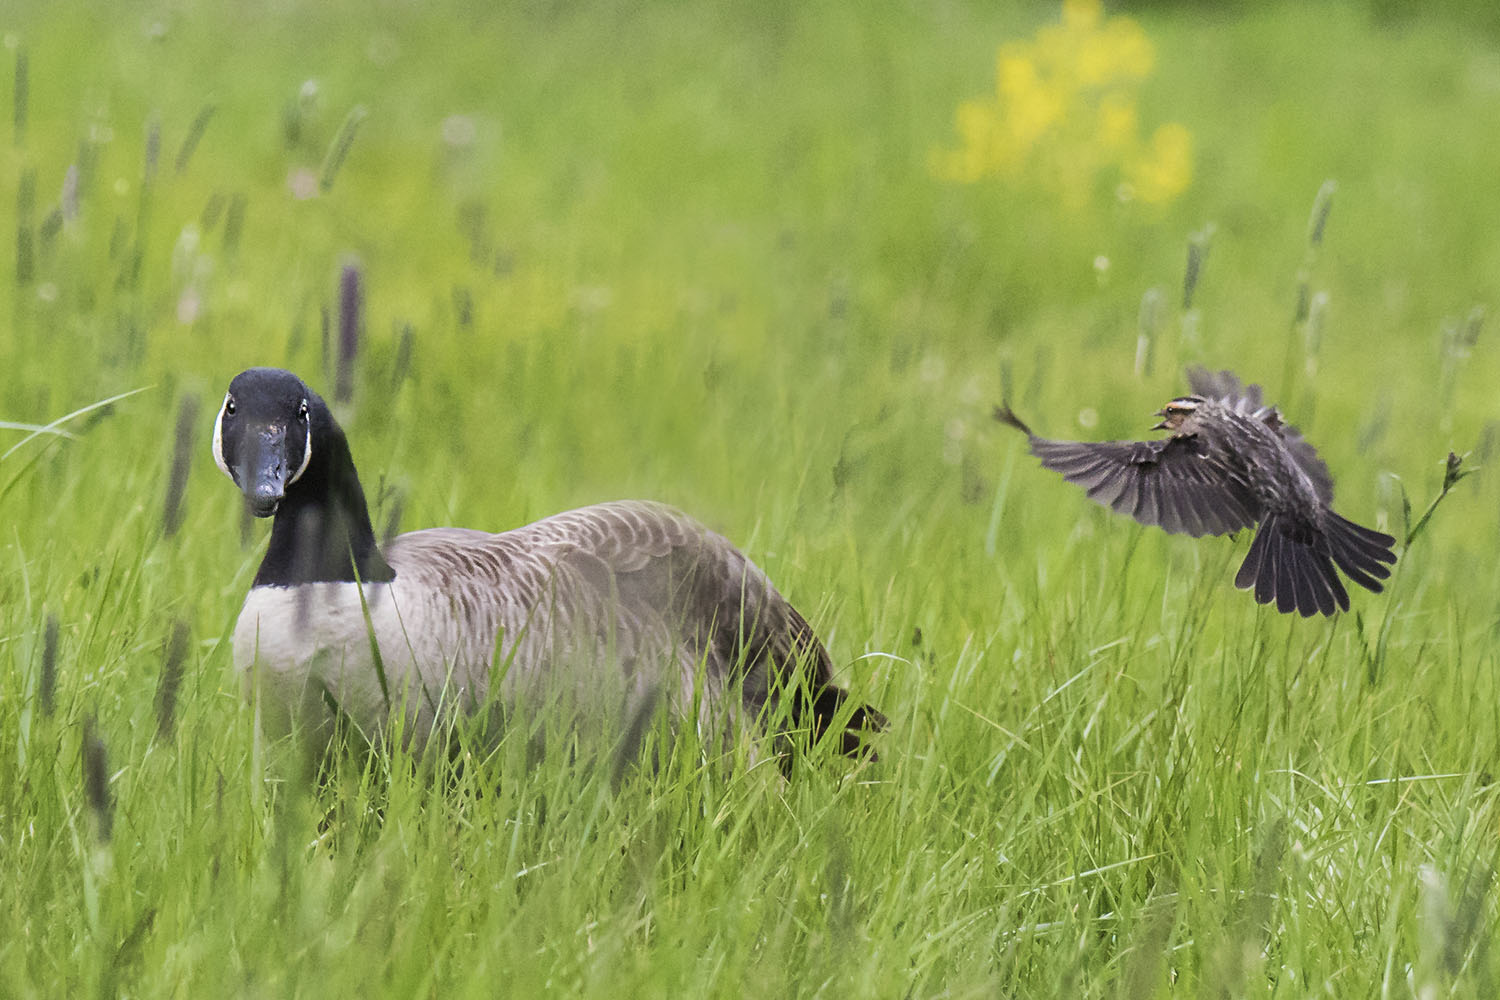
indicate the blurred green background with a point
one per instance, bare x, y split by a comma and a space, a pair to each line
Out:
701, 253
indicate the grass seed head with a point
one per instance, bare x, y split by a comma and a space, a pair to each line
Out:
95, 762
47, 685
351, 324
171, 680
1318, 221
182, 463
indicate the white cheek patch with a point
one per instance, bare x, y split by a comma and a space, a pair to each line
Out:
306, 455
219, 440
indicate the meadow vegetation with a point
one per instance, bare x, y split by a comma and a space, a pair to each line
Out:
710, 256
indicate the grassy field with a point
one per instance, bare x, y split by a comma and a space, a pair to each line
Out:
700, 255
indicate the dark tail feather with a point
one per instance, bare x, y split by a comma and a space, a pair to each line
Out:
1327, 593
1006, 415
1250, 568
1365, 576
1259, 568
1338, 597
1373, 546
1302, 580
1292, 566
1285, 586
1363, 554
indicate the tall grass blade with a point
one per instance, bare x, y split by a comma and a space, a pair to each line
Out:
234, 222
25, 236
1453, 473
52, 427
392, 520
402, 366
21, 96
68, 203
1148, 324
1317, 222
194, 137
339, 150
11, 425
153, 154
1197, 256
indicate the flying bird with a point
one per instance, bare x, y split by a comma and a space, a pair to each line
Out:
601, 605
1230, 462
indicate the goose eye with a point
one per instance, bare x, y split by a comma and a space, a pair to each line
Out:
302, 412
229, 407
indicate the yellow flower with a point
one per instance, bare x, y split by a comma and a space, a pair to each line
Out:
1063, 116
1164, 169
1036, 105
1118, 126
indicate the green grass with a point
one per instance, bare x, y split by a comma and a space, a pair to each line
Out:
694, 254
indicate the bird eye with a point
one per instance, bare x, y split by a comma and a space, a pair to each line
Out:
229, 406
302, 412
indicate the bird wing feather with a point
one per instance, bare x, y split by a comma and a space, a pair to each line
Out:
1174, 482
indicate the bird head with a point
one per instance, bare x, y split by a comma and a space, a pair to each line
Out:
1175, 413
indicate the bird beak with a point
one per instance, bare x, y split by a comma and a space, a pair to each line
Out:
263, 476
1162, 424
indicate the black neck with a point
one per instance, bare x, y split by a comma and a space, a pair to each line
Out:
322, 531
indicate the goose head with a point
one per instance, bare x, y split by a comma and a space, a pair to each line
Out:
277, 441
266, 433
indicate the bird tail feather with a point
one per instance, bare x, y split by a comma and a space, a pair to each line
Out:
1291, 564
1362, 553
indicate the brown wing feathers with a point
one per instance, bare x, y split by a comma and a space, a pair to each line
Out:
1186, 487
1171, 483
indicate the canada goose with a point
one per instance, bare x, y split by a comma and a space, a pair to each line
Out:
604, 603
1232, 462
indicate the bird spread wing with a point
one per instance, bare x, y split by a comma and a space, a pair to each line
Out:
1175, 482
1226, 387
